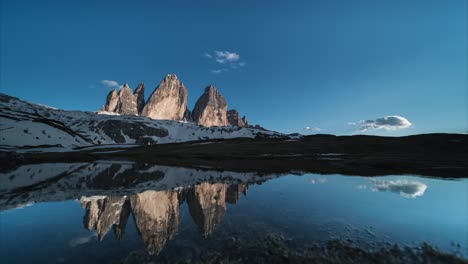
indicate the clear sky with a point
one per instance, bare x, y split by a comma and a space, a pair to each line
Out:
287, 65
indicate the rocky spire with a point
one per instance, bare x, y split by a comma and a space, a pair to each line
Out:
111, 101
124, 102
210, 109
234, 119
127, 104
168, 101
140, 97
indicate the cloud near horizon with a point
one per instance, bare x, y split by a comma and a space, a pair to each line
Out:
111, 84
311, 128
387, 123
231, 59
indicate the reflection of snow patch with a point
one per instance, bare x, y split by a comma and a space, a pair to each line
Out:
406, 188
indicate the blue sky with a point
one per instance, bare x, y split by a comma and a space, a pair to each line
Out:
287, 64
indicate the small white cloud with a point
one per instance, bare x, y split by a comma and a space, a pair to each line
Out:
226, 56
230, 59
312, 128
386, 123
111, 84
218, 71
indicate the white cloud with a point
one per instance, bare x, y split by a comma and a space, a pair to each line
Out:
231, 59
218, 71
386, 123
226, 56
111, 84
312, 128
406, 188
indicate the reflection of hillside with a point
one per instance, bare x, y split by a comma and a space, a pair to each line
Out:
69, 181
156, 213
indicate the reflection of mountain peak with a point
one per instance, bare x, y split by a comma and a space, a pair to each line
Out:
119, 227
156, 213
103, 213
233, 192
207, 205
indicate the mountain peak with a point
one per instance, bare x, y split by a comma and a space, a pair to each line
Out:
171, 76
168, 101
210, 88
210, 109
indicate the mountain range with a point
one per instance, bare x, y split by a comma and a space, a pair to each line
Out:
168, 101
125, 119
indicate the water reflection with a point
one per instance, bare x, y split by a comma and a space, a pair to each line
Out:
68, 181
403, 187
406, 188
147, 204
156, 213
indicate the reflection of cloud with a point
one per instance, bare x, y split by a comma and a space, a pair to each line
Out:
406, 188
80, 240
319, 180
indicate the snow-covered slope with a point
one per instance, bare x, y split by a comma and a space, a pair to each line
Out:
23, 124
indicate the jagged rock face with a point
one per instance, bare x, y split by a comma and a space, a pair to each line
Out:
210, 109
207, 205
188, 116
168, 101
125, 102
234, 119
111, 101
156, 216
140, 97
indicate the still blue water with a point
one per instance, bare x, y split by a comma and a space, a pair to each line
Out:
305, 209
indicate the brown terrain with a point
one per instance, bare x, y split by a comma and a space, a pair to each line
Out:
438, 155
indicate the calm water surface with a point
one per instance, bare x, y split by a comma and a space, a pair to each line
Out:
104, 213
